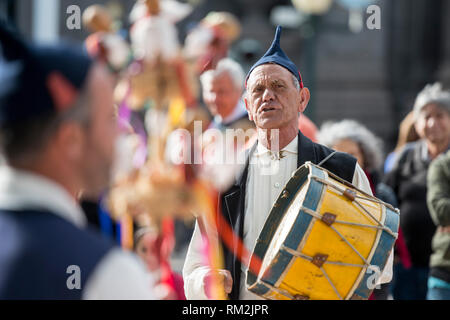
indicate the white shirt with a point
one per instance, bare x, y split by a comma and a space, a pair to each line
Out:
119, 275
266, 178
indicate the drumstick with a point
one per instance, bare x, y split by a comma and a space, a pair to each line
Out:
242, 253
228, 236
207, 201
201, 225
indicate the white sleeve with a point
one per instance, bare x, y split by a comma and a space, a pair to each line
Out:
386, 275
361, 182
195, 268
119, 276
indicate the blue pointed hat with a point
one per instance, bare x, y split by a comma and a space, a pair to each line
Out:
276, 55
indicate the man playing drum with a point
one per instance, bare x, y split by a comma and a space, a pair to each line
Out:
274, 99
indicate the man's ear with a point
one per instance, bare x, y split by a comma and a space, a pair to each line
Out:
250, 115
305, 95
61, 90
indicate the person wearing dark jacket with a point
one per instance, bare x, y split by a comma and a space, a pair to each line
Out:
408, 179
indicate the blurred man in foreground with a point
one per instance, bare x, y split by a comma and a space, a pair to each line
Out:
57, 128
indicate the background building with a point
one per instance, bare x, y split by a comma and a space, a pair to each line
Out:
371, 75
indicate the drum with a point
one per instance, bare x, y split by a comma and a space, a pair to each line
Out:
323, 240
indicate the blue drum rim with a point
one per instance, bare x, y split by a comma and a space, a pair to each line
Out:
381, 255
301, 225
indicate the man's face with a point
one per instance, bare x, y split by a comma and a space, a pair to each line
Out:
221, 95
273, 101
101, 134
433, 123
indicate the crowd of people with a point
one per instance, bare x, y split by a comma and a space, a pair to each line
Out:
59, 123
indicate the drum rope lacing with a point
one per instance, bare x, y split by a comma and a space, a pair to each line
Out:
320, 217
306, 257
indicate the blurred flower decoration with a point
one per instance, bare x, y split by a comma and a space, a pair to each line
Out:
104, 42
157, 110
210, 40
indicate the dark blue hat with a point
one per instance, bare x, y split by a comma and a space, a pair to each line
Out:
27, 72
276, 55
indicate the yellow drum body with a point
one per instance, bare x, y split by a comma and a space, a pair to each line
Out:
324, 240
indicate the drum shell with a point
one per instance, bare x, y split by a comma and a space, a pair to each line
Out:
299, 277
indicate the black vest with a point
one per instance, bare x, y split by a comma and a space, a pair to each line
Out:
233, 200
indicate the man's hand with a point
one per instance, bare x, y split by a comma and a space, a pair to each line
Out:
224, 279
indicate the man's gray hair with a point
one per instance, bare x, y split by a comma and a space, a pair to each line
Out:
225, 65
432, 93
371, 146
